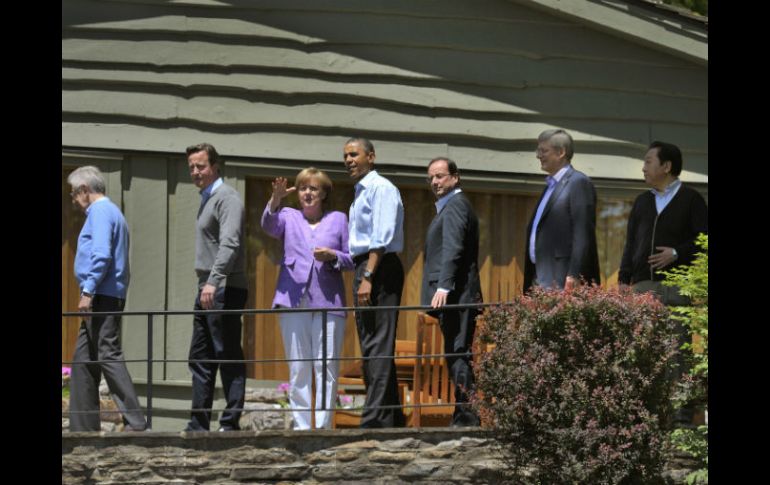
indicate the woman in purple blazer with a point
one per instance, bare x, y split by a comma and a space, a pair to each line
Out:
315, 252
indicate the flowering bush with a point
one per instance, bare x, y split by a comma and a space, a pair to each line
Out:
66, 372
576, 387
284, 388
344, 401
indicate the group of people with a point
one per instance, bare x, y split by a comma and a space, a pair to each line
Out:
319, 244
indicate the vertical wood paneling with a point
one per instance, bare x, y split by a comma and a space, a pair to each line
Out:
71, 222
611, 220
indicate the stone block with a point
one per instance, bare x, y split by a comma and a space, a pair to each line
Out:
283, 472
438, 453
262, 416
259, 456
391, 456
419, 469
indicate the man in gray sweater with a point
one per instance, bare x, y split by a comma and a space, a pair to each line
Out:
222, 284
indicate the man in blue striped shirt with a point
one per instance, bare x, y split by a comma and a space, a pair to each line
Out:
376, 234
101, 268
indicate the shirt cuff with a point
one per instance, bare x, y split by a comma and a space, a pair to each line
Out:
442, 290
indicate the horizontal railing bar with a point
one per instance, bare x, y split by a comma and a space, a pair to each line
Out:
284, 310
268, 361
279, 409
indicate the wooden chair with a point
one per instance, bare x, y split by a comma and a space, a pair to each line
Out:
431, 377
352, 375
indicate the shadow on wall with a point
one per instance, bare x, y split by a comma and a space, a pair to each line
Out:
488, 60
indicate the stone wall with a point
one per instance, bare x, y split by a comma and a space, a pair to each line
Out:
388, 456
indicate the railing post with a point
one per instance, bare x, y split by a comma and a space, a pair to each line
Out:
324, 332
149, 370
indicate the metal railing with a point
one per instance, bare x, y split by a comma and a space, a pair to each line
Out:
150, 360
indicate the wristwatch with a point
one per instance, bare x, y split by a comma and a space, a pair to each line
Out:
367, 275
84, 293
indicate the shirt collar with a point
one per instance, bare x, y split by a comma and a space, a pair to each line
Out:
558, 176
205, 193
366, 180
445, 199
88, 209
669, 188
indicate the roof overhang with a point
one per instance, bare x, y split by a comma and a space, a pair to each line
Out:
640, 21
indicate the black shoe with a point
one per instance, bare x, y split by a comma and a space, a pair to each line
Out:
189, 428
227, 428
371, 425
466, 420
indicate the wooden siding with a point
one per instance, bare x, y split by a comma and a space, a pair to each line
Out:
476, 81
71, 222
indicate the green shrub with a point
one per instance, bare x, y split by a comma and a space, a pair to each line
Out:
693, 281
577, 386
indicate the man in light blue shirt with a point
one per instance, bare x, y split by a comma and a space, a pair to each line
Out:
102, 271
376, 234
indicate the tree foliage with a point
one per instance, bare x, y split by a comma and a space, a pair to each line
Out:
698, 6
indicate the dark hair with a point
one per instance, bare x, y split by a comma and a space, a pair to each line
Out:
668, 152
450, 164
363, 141
210, 151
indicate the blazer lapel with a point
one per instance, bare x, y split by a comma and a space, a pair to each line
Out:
556, 192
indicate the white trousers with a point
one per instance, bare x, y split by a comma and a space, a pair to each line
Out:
302, 340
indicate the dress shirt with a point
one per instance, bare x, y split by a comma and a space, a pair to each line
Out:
376, 216
663, 198
206, 193
443, 201
551, 181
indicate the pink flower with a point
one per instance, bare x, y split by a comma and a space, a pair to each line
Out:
65, 371
346, 399
283, 387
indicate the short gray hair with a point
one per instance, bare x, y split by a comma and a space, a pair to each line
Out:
558, 138
89, 176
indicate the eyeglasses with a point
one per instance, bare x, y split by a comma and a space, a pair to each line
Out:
76, 192
438, 176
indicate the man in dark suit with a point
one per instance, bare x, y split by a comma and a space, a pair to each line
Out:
451, 276
561, 236
668, 218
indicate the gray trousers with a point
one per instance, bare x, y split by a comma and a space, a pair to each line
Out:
99, 339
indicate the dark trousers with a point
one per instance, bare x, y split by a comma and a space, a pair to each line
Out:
458, 328
99, 339
669, 296
377, 336
218, 337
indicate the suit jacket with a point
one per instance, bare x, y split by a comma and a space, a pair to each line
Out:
298, 266
565, 243
451, 254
